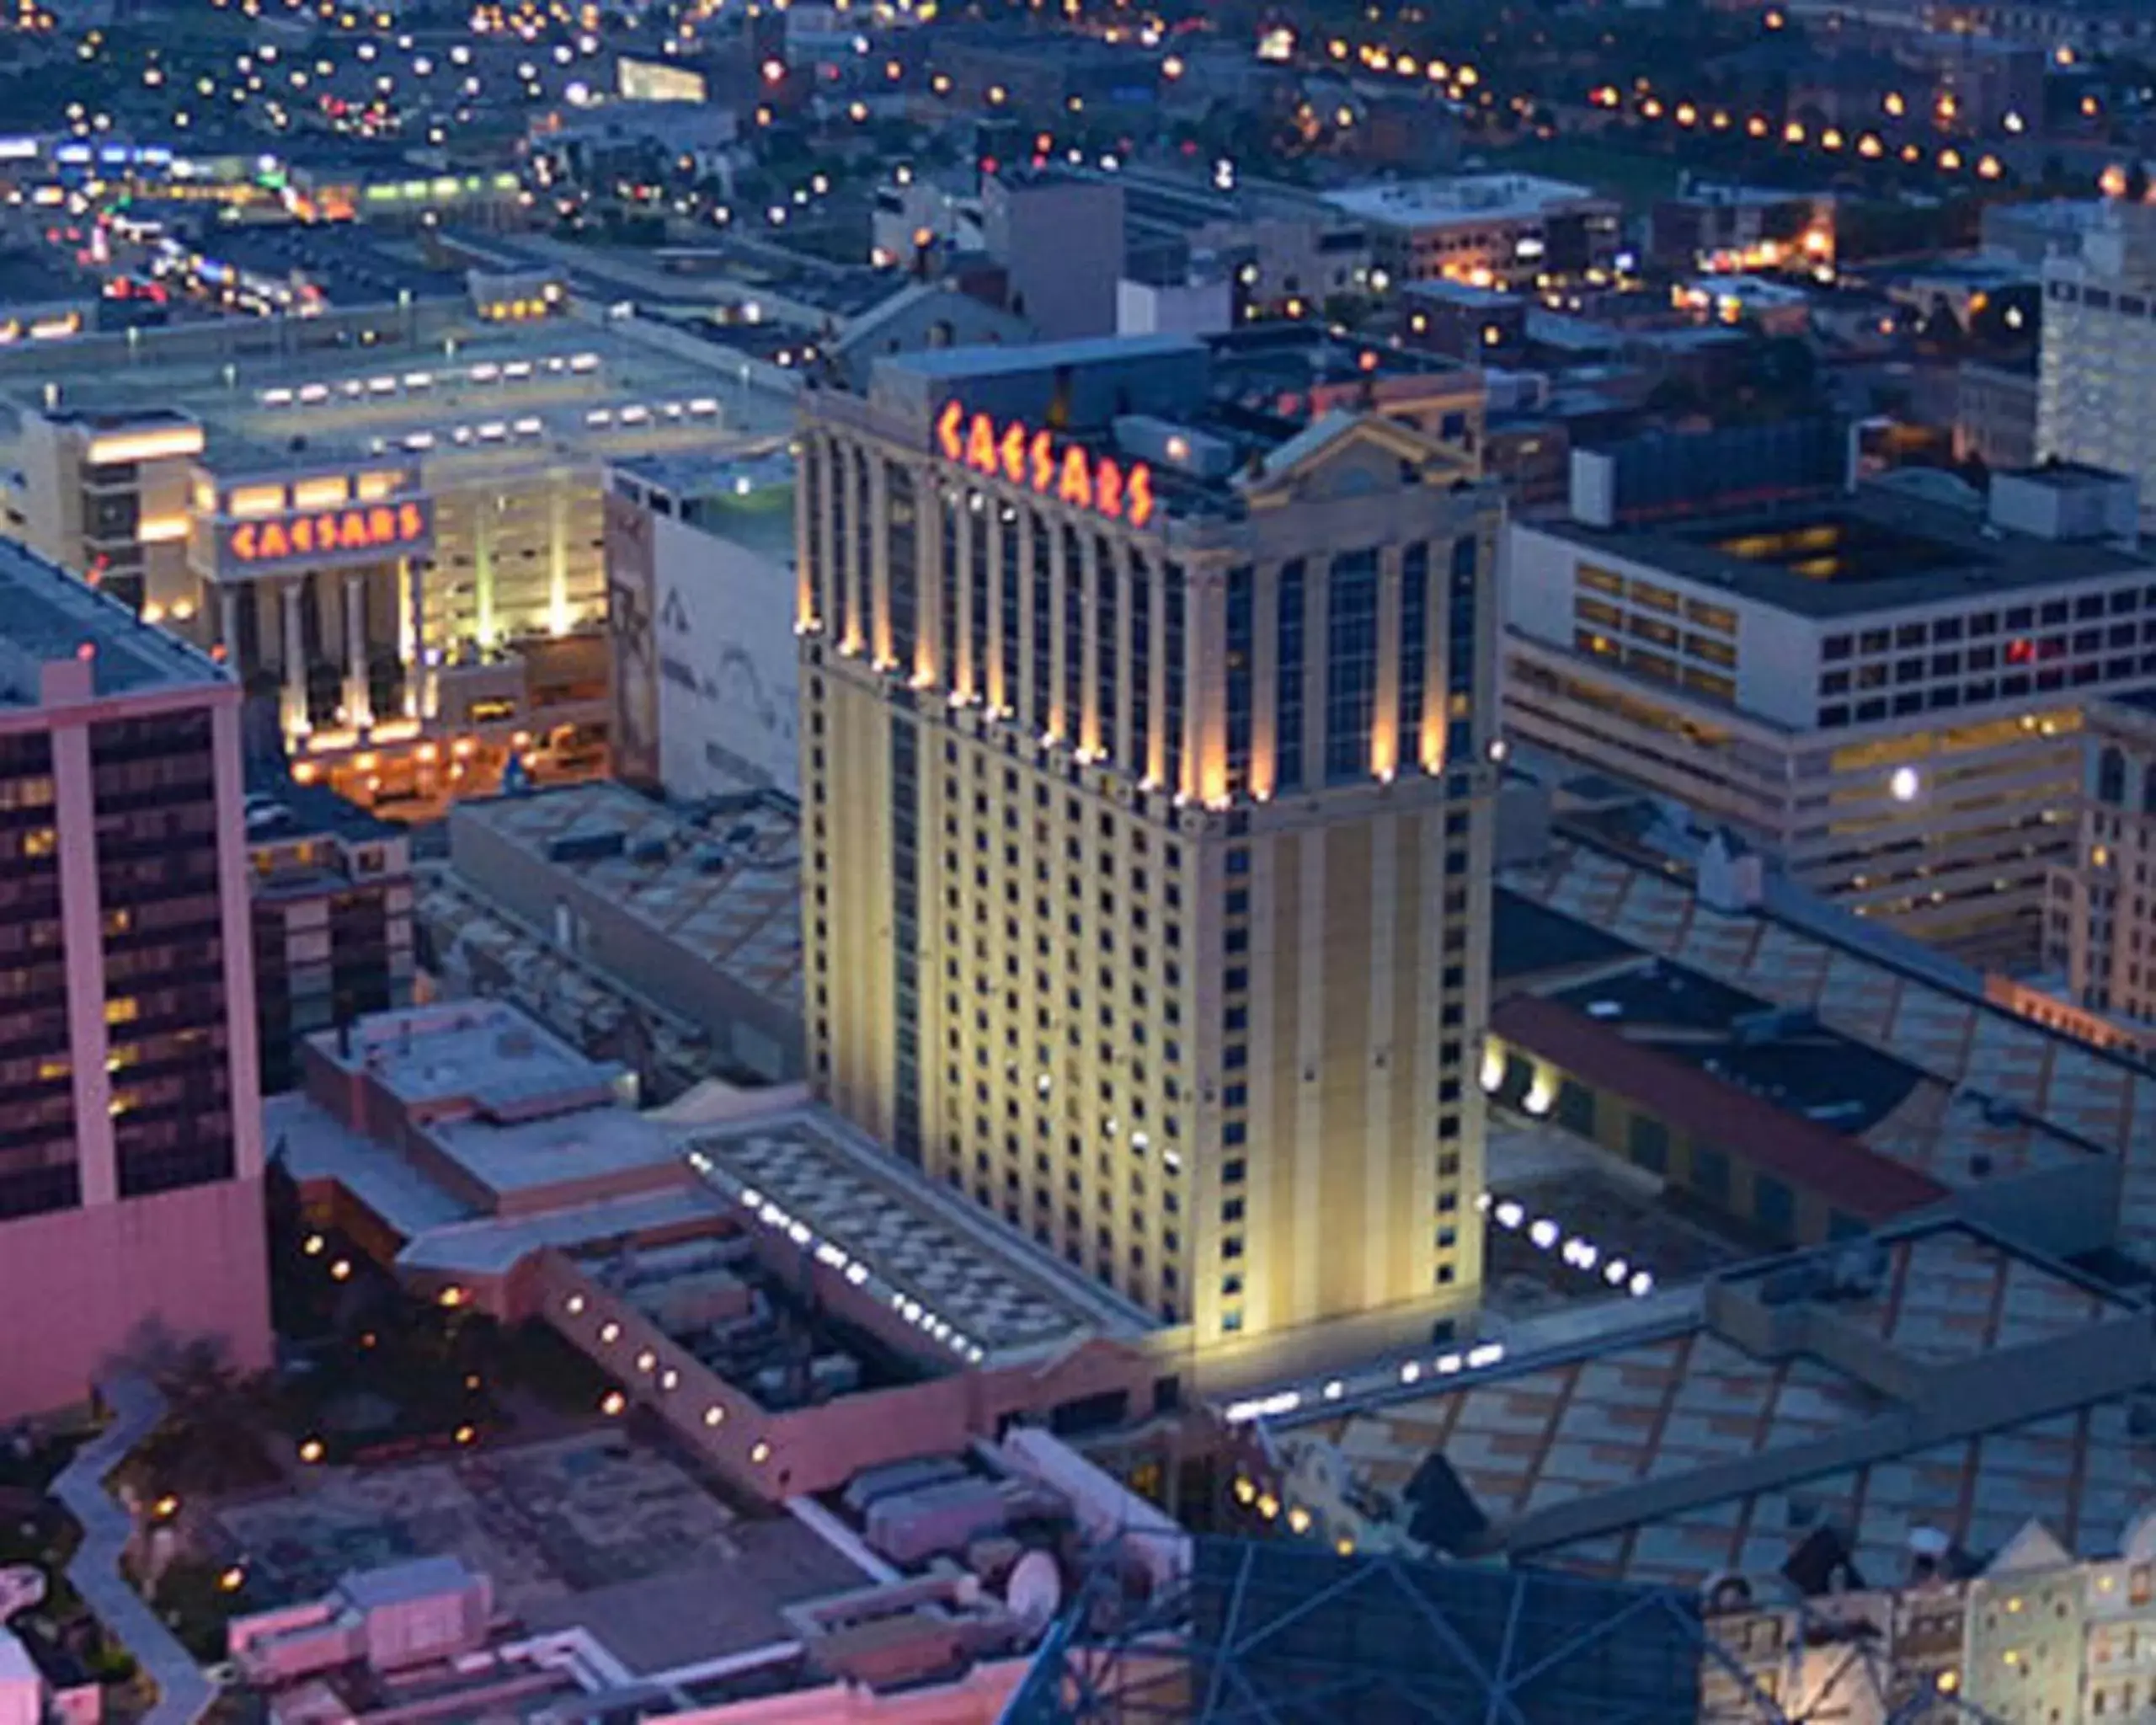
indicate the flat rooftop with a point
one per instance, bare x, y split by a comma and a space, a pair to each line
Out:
475, 389
479, 944
342, 259
1995, 1084
480, 1055
514, 1108
940, 1255
722, 881
281, 808
47, 614
1877, 549
1250, 397
1465, 197
1663, 1407
593, 1532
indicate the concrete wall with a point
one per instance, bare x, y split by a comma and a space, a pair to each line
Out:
729, 676
2061, 1212
80, 1289
978, 1698
779, 1455
758, 1033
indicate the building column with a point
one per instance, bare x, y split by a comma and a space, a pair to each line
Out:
295, 663
407, 632
1086, 721
228, 626
1385, 716
235, 919
558, 556
359, 700
82, 920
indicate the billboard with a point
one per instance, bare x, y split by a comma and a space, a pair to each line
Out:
654, 81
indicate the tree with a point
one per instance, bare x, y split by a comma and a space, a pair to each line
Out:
210, 1440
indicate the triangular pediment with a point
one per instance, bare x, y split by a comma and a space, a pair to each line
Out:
2034, 1548
1343, 455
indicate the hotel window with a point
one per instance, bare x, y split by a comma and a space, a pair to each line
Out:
1414, 640
1351, 664
1176, 595
1719, 617
1106, 603
1242, 582
1460, 634
948, 598
1041, 539
1653, 597
1601, 580
1288, 677
1007, 600
1657, 665
1141, 660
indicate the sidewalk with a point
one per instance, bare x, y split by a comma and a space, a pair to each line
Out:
183, 1693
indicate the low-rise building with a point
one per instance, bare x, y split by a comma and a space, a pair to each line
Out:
1885, 1386
1734, 228
1753, 1108
695, 908
2099, 927
1995, 414
331, 891
791, 1302
1880, 690
1488, 230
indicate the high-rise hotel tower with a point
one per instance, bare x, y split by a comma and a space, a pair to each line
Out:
1147, 727
130, 1117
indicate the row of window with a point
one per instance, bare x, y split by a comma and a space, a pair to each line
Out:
2086, 607
1651, 595
1983, 690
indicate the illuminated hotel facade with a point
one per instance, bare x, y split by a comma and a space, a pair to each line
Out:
399, 538
1147, 764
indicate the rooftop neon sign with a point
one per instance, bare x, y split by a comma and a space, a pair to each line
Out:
1026, 455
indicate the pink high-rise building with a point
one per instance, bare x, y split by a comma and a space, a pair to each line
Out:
130, 1128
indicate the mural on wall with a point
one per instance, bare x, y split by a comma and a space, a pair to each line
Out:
730, 681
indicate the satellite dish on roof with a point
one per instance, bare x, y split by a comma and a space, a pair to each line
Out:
1034, 1593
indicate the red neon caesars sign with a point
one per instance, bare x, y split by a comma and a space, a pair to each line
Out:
330, 532
1026, 456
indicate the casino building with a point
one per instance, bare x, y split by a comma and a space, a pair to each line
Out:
1148, 724
391, 524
